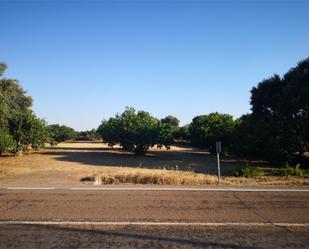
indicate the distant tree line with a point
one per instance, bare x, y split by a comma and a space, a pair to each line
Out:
277, 129
89, 135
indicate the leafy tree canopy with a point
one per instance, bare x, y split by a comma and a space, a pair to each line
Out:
135, 131
170, 120
60, 133
205, 130
19, 127
277, 128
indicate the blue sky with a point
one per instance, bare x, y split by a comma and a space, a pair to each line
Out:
85, 61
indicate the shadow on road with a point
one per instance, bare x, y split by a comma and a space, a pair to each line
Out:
30, 236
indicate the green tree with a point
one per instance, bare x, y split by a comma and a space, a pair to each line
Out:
19, 127
135, 131
90, 135
13, 99
3, 67
183, 133
205, 130
245, 140
26, 129
6, 141
171, 121
277, 128
60, 133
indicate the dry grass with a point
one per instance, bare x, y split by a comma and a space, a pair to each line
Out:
69, 162
160, 177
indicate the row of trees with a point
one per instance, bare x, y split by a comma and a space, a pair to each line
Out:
277, 129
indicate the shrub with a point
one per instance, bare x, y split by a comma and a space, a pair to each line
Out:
292, 171
247, 171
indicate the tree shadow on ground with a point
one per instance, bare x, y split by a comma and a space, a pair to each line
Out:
184, 160
126, 236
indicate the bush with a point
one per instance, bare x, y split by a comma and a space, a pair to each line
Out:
247, 171
292, 171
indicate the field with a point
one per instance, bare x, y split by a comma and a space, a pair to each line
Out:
68, 163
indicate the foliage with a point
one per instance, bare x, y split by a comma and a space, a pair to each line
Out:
26, 129
245, 141
13, 99
183, 133
277, 129
135, 131
90, 135
3, 67
19, 127
171, 121
292, 171
247, 171
169, 129
6, 141
60, 133
205, 130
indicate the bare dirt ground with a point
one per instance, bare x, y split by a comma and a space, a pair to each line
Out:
67, 163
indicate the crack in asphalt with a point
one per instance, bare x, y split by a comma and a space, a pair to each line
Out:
243, 203
18, 202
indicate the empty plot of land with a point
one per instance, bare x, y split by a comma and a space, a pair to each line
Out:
67, 163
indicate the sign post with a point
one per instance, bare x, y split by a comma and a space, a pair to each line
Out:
218, 150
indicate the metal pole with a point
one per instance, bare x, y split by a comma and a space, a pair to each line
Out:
218, 162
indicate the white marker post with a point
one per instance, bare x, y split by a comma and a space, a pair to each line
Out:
218, 149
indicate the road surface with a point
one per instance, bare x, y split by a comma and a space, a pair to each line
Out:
153, 218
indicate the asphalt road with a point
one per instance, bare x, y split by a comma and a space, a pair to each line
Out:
153, 219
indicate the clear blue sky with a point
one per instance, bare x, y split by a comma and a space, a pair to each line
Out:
85, 61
